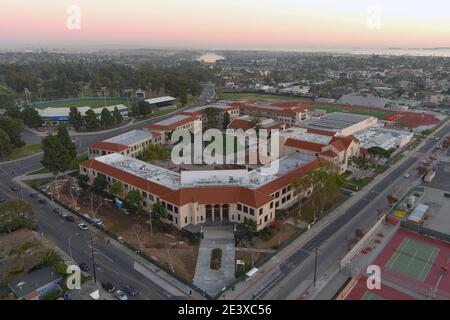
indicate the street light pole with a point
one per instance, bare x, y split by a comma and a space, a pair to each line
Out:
93, 259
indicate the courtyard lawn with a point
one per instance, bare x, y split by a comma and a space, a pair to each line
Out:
374, 113
25, 151
256, 96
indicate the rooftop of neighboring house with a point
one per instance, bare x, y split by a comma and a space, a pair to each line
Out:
25, 286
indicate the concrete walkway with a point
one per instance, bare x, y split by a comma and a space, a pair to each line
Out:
213, 281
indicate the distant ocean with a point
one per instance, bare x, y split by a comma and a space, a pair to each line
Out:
437, 52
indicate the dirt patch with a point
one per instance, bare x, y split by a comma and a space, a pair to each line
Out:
167, 245
20, 251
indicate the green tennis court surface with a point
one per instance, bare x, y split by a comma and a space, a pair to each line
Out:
413, 258
371, 296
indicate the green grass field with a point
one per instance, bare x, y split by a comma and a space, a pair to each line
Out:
413, 258
82, 102
27, 150
256, 96
374, 113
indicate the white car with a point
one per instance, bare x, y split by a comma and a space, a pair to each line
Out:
83, 227
407, 175
119, 294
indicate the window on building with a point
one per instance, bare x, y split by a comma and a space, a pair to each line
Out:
175, 209
239, 207
245, 209
252, 211
260, 211
271, 205
277, 204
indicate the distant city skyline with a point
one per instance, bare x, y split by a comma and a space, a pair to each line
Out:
232, 24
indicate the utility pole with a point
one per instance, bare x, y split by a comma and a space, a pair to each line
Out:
315, 267
93, 259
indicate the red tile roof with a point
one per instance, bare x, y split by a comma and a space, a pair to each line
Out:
172, 126
305, 145
329, 153
287, 179
321, 132
240, 124
102, 145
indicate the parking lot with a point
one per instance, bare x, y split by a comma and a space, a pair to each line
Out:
439, 217
442, 179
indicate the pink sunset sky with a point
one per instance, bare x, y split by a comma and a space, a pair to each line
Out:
259, 24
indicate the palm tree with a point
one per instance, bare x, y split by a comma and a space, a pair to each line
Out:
300, 186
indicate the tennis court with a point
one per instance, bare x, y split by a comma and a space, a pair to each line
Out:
371, 296
413, 258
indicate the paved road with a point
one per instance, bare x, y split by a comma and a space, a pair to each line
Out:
333, 240
114, 265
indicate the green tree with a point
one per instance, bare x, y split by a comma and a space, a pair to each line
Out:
13, 128
154, 152
106, 119
6, 101
300, 187
91, 120
63, 136
5, 144
115, 188
158, 211
212, 116
326, 181
135, 110
83, 182
14, 215
31, 117
57, 157
100, 184
76, 120
226, 120
117, 116
133, 201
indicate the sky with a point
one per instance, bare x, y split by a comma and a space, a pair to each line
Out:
225, 24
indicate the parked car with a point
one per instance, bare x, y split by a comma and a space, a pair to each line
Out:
119, 294
33, 195
406, 175
109, 287
69, 218
97, 221
87, 217
131, 291
83, 227
57, 211
2, 200
42, 201
84, 267
14, 188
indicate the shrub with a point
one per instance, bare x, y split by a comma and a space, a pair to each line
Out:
216, 259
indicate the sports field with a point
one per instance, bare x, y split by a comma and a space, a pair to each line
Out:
413, 258
380, 114
82, 102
